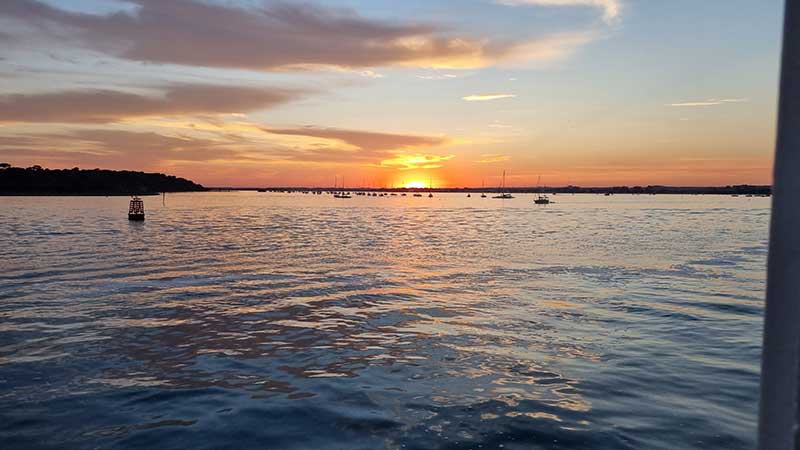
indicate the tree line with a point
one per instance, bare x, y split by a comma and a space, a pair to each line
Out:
36, 180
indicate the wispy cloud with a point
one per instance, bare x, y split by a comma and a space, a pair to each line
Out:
549, 48
117, 148
370, 74
611, 8
365, 140
487, 158
709, 102
486, 97
416, 161
439, 76
107, 106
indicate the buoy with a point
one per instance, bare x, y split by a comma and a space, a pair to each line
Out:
136, 209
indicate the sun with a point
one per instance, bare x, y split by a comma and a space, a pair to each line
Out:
415, 185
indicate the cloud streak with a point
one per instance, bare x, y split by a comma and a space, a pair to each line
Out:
107, 106
611, 8
709, 102
116, 148
488, 158
364, 140
486, 97
278, 36
416, 161
368, 148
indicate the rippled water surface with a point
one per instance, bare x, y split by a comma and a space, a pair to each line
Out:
290, 321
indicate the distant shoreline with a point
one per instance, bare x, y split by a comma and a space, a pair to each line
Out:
84, 194
649, 190
39, 181
36, 181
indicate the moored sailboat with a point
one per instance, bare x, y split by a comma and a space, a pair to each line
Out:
503, 193
541, 199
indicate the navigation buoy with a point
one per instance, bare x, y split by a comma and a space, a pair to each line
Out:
136, 209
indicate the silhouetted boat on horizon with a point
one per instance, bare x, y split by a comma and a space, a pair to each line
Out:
342, 193
503, 194
542, 198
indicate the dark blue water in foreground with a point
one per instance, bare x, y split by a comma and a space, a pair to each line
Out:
277, 321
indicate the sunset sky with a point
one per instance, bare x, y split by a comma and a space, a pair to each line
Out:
389, 93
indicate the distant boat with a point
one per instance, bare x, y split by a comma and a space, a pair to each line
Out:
136, 209
483, 188
417, 194
469, 195
542, 198
503, 194
430, 188
342, 193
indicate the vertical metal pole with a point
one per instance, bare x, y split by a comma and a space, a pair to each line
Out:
781, 363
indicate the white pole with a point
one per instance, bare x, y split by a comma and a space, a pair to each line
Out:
781, 362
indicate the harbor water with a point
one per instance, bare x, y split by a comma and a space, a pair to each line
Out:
297, 321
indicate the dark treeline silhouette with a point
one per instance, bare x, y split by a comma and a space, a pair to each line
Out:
36, 180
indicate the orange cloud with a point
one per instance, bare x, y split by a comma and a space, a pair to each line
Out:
365, 140
115, 149
493, 158
416, 161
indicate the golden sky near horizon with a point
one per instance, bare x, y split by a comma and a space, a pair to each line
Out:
383, 93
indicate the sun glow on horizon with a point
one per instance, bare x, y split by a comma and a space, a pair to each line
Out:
415, 184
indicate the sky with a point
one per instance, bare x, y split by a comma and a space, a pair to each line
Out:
383, 93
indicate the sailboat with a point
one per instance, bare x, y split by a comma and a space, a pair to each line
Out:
483, 188
430, 187
503, 193
541, 199
342, 193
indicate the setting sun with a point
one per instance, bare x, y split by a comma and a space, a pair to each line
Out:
415, 185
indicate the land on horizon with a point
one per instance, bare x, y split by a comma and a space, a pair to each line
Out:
36, 180
741, 189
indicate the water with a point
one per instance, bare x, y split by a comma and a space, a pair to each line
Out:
289, 321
